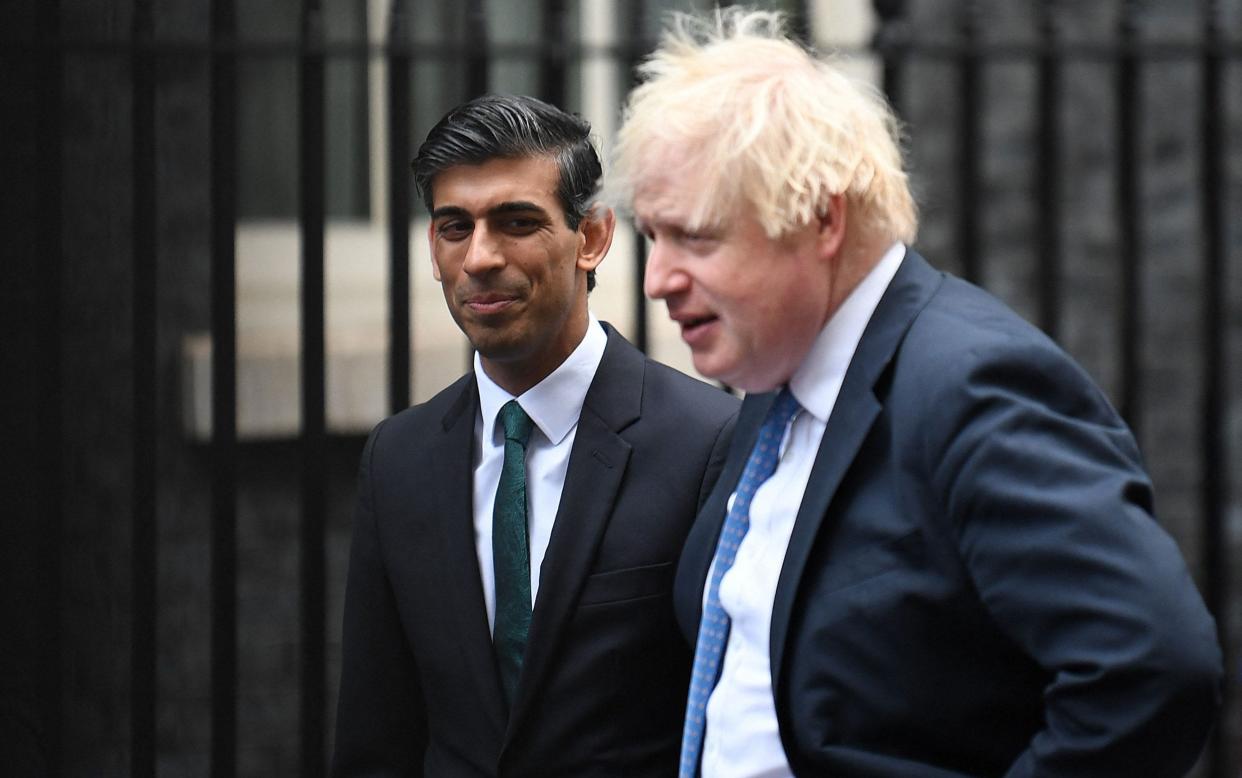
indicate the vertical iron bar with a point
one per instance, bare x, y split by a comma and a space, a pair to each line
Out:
969, 62
1049, 162
800, 22
223, 391
552, 54
642, 334
50, 399
890, 37
478, 60
637, 45
399, 337
1129, 204
1214, 201
478, 63
312, 148
633, 47
142, 649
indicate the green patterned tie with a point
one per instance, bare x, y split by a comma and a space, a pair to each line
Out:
510, 551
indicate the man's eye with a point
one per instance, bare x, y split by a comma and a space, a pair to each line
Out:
697, 239
453, 230
522, 224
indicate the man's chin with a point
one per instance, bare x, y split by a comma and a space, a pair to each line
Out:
498, 346
711, 367
734, 376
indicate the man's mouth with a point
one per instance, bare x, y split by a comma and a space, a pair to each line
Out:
695, 327
490, 302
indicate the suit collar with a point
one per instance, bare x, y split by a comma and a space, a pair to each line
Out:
817, 381
855, 411
555, 403
453, 496
597, 466
616, 393
907, 289
700, 548
465, 403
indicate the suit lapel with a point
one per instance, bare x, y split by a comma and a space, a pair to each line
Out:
700, 549
597, 466
852, 416
452, 488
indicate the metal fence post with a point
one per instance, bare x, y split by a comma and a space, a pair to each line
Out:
311, 148
223, 390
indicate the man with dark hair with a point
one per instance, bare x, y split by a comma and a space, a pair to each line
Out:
508, 602
476, 132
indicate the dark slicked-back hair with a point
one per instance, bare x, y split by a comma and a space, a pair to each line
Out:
513, 127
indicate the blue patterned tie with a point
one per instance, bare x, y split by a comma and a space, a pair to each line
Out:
714, 626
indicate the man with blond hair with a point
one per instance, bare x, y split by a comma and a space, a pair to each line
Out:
932, 550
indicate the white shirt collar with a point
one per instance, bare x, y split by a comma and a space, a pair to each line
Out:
554, 403
817, 381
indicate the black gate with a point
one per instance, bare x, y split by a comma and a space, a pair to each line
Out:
176, 588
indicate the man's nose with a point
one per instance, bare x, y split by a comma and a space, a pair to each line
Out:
662, 276
484, 253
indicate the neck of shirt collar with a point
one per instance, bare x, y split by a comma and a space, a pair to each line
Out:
554, 403
817, 381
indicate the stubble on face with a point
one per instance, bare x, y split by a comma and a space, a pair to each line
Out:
749, 306
507, 263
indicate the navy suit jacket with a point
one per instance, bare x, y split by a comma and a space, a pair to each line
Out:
975, 584
603, 684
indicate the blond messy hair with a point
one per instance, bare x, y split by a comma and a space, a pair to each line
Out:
760, 121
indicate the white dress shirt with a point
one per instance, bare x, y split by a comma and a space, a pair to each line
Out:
554, 404
742, 738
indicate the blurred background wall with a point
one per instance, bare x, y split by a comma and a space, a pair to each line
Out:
216, 280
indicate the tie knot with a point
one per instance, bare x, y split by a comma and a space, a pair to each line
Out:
783, 409
516, 423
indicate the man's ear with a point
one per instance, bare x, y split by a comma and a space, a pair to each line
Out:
595, 236
431, 246
831, 226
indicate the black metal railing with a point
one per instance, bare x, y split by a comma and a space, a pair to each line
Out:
1215, 404
897, 45
223, 447
145, 439
399, 155
1214, 51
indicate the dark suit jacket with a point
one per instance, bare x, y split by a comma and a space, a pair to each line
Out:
603, 684
975, 584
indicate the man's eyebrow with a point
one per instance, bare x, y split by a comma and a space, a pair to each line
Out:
512, 206
448, 210
509, 206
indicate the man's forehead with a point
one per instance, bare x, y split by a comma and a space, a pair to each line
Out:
663, 200
667, 177
498, 179
660, 193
